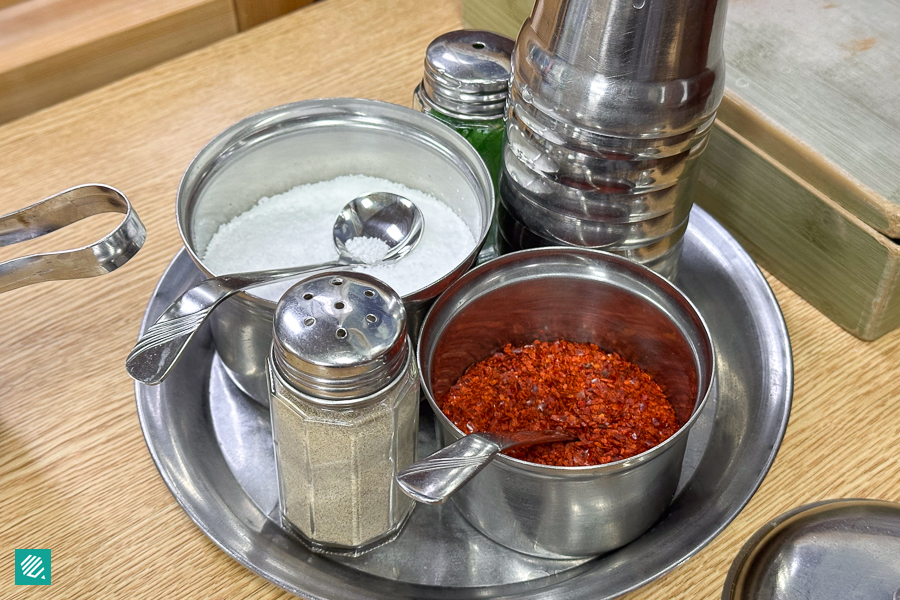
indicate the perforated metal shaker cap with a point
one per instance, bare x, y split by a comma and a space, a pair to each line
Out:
340, 335
467, 73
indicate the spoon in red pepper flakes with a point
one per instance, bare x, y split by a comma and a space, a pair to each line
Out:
435, 478
612, 408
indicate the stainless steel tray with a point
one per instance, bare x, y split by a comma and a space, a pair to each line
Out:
212, 447
829, 550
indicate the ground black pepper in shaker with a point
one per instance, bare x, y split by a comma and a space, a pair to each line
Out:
344, 400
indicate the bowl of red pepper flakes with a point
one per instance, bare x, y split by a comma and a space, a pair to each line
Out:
577, 340
613, 407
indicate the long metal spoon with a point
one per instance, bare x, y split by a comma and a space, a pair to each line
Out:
435, 478
388, 217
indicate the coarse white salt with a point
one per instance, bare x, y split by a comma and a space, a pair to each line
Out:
295, 228
367, 249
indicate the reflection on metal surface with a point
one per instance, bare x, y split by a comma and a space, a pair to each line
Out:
433, 479
543, 294
259, 157
610, 106
724, 464
388, 217
459, 554
831, 550
56, 212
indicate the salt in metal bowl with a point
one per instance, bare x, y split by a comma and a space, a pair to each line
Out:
277, 149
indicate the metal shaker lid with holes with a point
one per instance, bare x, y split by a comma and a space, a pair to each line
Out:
340, 336
467, 74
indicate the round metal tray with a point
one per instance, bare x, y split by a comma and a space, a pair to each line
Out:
212, 447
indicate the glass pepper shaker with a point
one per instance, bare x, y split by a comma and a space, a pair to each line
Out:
465, 85
344, 400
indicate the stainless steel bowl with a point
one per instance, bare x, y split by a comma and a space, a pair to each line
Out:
580, 295
272, 151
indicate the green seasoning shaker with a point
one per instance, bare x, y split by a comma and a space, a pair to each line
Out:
465, 85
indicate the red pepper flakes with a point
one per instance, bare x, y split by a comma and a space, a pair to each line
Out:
613, 407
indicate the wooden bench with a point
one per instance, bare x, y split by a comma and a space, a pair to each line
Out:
51, 50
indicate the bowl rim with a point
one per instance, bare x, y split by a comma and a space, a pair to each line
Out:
704, 391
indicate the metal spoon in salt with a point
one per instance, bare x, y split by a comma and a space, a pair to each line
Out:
436, 477
379, 219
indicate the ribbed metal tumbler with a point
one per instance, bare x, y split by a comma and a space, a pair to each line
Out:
611, 103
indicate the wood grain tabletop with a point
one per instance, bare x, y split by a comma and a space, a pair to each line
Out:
75, 473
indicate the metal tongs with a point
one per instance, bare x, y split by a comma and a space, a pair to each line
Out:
54, 213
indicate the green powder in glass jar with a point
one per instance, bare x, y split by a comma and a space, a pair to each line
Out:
465, 85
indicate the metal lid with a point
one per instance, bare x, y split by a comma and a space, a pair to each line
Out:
467, 74
340, 335
834, 549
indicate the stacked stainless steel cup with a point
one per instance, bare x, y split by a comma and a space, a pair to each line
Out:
611, 104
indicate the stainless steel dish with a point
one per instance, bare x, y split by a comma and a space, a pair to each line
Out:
578, 295
830, 550
213, 448
277, 149
391, 218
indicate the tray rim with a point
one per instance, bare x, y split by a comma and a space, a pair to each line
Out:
535, 588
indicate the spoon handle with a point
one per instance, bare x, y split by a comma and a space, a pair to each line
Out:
157, 351
435, 478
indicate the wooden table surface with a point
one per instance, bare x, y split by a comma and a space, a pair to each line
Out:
75, 473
